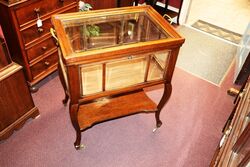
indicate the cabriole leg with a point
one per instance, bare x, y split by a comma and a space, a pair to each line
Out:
73, 109
60, 73
77, 144
165, 97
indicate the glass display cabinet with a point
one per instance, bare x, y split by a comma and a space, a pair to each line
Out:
107, 57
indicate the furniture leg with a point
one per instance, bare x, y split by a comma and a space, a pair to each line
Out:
166, 94
33, 89
136, 2
65, 100
73, 109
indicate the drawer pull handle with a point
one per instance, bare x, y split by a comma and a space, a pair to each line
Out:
44, 48
46, 63
37, 10
40, 30
61, 1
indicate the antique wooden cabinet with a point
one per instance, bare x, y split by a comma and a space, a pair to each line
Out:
106, 59
26, 25
16, 104
234, 147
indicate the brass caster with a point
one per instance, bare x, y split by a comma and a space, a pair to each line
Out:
33, 89
154, 130
80, 147
158, 125
64, 103
37, 116
233, 92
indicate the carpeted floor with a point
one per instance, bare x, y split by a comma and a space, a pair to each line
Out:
192, 123
205, 56
218, 31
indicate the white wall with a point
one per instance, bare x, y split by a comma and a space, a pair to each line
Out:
184, 11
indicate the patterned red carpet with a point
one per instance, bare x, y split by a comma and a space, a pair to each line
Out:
191, 130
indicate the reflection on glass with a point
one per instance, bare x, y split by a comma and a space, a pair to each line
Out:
91, 79
63, 68
112, 30
125, 72
158, 63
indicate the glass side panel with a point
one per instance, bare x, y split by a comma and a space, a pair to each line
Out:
125, 72
112, 30
91, 79
63, 68
158, 64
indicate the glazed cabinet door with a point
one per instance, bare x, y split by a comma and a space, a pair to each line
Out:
130, 70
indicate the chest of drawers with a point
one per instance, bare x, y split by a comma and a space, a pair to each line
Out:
30, 45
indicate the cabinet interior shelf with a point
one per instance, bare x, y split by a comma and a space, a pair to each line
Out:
110, 108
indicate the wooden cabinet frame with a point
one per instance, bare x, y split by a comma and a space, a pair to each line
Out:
89, 109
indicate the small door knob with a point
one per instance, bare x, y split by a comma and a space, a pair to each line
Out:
44, 48
40, 30
37, 10
46, 63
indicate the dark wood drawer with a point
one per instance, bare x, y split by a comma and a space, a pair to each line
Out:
39, 7
44, 65
40, 49
20, 17
33, 33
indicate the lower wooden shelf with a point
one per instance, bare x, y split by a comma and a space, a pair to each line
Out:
110, 108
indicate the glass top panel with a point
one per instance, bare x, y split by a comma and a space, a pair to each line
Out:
112, 30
